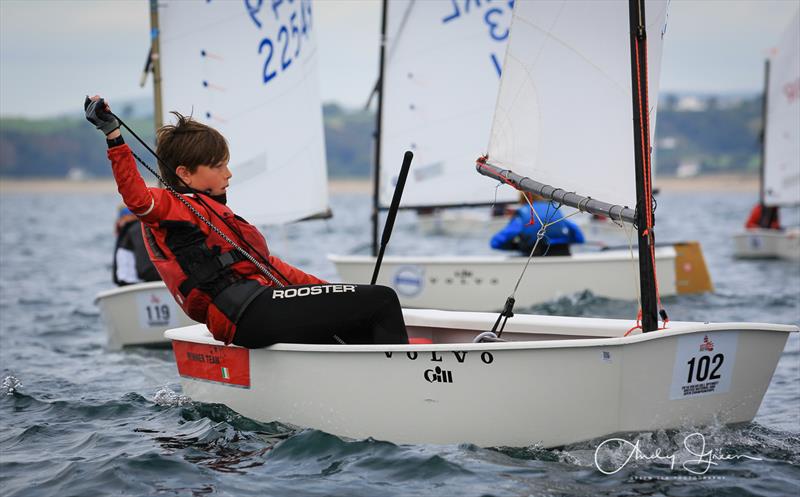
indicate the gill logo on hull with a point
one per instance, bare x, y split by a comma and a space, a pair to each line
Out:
438, 375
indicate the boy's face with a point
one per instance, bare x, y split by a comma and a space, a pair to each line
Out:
212, 180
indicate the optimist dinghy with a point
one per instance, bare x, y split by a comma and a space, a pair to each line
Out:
275, 135
551, 380
780, 153
473, 282
139, 314
557, 380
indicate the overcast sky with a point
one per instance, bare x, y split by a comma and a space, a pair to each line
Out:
54, 52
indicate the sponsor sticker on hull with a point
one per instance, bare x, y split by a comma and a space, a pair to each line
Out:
228, 365
409, 280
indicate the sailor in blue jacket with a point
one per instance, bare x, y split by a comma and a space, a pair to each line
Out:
520, 233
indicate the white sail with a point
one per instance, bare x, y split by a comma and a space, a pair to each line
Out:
564, 111
249, 69
782, 131
440, 86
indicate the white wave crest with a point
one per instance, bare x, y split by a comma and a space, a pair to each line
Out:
170, 398
10, 385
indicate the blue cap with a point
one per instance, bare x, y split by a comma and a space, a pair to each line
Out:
124, 211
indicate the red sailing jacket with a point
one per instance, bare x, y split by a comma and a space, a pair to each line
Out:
754, 221
176, 240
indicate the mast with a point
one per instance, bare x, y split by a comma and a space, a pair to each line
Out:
641, 139
156, 64
764, 102
376, 169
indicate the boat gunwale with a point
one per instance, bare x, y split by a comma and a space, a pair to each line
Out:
788, 233
191, 334
578, 257
145, 285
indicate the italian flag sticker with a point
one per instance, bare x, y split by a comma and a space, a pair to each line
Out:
225, 373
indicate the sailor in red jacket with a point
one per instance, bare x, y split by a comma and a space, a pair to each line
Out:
763, 217
213, 282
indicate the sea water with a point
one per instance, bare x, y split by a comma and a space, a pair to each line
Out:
79, 420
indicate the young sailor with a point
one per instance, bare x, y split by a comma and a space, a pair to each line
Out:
763, 217
213, 282
521, 232
131, 261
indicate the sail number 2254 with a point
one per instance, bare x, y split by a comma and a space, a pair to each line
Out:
292, 23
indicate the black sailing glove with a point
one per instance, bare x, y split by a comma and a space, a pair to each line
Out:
97, 115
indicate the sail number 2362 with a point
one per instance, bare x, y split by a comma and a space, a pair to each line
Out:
704, 368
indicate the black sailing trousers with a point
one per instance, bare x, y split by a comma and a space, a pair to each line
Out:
358, 314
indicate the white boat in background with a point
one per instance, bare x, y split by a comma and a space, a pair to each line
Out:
760, 243
222, 63
481, 283
460, 222
552, 380
780, 153
602, 232
426, 107
136, 315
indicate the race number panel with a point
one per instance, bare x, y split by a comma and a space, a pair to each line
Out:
703, 364
156, 309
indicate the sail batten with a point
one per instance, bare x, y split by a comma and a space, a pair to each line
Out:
563, 113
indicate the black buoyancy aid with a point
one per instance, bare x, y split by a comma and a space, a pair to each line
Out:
211, 280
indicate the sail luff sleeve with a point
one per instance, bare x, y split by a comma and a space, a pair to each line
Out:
571, 199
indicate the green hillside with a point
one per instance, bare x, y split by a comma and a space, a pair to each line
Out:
716, 135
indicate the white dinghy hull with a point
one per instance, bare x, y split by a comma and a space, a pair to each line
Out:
481, 283
760, 243
568, 380
139, 314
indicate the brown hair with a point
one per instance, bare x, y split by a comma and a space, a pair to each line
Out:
188, 143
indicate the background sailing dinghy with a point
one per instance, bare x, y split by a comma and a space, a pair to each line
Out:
474, 282
139, 314
780, 151
460, 222
555, 380
254, 80
440, 74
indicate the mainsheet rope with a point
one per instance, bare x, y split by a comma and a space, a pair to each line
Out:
508, 308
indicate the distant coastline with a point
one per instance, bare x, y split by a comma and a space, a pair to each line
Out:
709, 182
